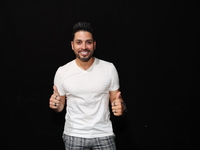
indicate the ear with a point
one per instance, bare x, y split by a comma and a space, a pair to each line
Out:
95, 43
72, 45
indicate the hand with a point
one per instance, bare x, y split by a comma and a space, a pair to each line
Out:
117, 107
55, 99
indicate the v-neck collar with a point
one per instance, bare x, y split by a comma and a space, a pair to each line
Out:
87, 70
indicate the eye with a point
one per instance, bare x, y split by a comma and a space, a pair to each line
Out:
89, 42
78, 42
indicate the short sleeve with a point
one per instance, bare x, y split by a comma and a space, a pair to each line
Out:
114, 79
58, 82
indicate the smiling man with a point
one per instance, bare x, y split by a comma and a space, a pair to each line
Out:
86, 85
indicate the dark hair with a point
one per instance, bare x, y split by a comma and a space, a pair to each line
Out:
82, 26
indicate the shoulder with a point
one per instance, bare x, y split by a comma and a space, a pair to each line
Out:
103, 62
105, 65
66, 66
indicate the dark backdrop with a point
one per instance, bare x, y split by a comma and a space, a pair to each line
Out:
152, 44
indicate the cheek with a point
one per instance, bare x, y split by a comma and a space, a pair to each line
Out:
75, 48
91, 47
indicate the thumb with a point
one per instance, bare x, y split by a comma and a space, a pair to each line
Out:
55, 90
118, 95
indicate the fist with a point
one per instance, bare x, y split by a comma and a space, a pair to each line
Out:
117, 107
55, 99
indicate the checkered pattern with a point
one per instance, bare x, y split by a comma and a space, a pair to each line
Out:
78, 143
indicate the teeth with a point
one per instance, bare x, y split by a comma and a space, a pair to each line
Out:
84, 52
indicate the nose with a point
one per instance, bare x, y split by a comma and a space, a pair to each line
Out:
84, 46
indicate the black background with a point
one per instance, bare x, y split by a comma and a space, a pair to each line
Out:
153, 45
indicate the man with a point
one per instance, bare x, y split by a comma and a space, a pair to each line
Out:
86, 85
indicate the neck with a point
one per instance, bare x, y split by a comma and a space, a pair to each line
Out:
84, 65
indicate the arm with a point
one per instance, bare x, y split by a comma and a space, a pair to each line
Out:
117, 103
57, 102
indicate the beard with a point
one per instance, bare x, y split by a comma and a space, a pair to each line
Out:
84, 58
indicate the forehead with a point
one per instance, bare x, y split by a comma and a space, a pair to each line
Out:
83, 35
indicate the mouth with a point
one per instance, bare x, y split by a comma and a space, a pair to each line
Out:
84, 52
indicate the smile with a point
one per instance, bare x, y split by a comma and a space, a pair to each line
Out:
84, 52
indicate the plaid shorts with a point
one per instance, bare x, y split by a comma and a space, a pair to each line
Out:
78, 143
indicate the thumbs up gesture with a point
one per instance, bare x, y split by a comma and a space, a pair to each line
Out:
55, 99
117, 107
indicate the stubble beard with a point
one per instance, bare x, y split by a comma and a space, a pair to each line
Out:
85, 58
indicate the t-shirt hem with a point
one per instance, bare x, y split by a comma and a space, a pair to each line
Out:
89, 136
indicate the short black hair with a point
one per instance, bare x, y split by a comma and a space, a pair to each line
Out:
82, 26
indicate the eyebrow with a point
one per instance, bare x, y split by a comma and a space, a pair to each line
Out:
84, 40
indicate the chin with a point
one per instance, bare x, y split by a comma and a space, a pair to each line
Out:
85, 59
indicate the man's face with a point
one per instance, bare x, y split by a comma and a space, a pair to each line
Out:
83, 45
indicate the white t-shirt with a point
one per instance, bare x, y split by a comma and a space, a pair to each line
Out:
87, 93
